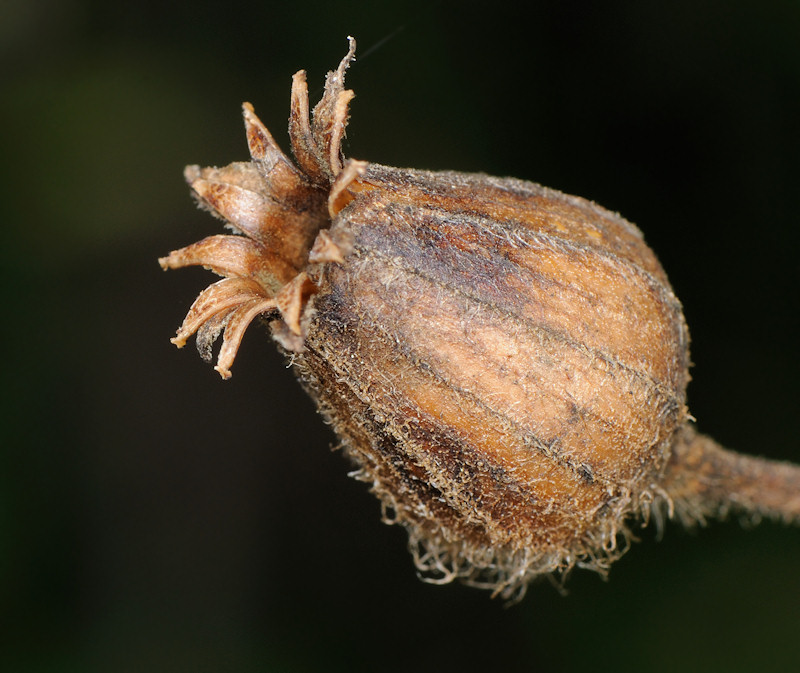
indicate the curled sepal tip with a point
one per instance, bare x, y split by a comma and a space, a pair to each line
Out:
221, 297
279, 213
317, 138
236, 324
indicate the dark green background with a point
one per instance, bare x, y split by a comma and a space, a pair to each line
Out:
155, 518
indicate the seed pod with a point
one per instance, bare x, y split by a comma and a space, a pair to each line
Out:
505, 364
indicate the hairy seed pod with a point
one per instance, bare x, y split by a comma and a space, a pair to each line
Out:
505, 364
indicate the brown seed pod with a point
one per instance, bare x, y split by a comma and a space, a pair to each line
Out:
506, 364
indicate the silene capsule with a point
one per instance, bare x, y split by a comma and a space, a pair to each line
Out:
505, 364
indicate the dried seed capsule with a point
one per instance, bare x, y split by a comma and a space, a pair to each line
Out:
506, 364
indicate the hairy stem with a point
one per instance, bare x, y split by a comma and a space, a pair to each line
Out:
704, 480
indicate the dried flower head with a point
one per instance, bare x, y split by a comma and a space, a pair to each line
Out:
505, 364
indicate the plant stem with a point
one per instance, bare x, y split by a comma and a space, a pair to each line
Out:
704, 480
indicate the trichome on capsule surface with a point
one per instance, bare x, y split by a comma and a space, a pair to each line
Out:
505, 364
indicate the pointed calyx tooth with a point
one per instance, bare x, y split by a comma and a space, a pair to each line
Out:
252, 213
235, 327
317, 145
284, 218
244, 209
260, 142
330, 114
292, 299
332, 134
325, 250
285, 182
340, 196
219, 298
302, 140
233, 256
240, 173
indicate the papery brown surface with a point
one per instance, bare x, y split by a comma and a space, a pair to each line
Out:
486, 352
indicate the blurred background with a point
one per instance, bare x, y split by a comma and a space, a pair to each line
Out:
153, 517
